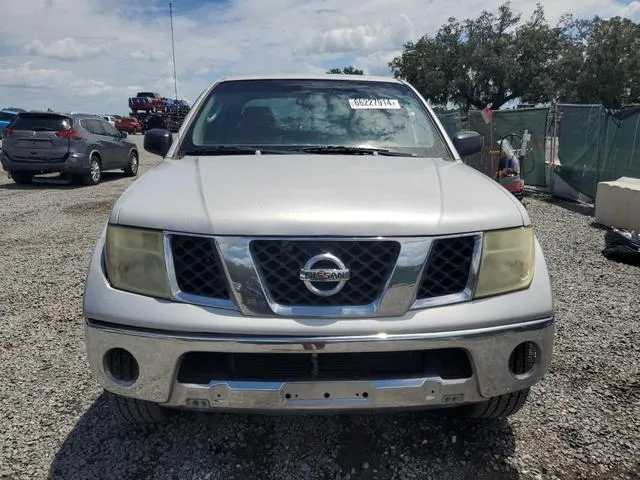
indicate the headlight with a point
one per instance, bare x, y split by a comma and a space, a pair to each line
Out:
507, 261
135, 261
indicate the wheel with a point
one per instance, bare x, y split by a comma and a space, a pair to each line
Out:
133, 410
22, 178
132, 168
95, 173
497, 407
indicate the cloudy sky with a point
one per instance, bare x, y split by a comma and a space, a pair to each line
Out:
90, 55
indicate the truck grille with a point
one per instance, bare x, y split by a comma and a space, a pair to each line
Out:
448, 267
199, 271
280, 261
204, 367
197, 266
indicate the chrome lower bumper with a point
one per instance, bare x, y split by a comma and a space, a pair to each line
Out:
159, 354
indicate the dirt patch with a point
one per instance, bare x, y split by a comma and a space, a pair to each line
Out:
17, 216
98, 206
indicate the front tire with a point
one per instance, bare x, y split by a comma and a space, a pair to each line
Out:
502, 406
95, 172
135, 411
132, 169
132, 410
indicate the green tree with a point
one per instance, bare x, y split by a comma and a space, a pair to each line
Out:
600, 62
347, 70
567, 69
492, 59
497, 57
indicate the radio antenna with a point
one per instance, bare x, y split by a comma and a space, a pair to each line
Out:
173, 49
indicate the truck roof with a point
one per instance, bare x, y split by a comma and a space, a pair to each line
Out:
311, 76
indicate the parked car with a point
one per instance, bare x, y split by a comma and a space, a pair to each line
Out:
177, 106
79, 147
316, 244
147, 101
110, 119
130, 125
6, 117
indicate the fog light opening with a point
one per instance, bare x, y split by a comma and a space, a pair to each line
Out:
524, 360
121, 367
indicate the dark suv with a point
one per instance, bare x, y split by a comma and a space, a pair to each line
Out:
78, 146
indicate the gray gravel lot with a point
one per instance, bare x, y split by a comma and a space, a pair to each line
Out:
582, 421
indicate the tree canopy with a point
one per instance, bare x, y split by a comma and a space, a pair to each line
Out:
498, 57
600, 62
350, 70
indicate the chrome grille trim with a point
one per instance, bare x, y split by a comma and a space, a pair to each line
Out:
176, 292
463, 296
250, 297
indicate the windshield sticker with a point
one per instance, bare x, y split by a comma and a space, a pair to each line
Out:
374, 103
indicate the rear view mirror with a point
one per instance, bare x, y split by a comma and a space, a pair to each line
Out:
468, 142
158, 141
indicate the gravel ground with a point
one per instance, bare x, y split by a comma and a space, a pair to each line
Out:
582, 421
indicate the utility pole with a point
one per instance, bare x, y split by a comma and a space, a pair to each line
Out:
173, 49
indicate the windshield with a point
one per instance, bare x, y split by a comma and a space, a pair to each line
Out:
306, 113
41, 122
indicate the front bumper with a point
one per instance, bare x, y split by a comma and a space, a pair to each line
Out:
159, 355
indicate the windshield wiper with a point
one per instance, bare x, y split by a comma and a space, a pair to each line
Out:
232, 149
342, 149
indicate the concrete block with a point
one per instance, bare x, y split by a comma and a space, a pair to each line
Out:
618, 203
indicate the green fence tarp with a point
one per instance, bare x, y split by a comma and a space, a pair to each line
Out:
517, 121
454, 122
503, 123
595, 146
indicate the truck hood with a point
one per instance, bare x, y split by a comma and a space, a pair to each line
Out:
310, 195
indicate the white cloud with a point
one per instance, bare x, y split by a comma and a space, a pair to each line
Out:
28, 77
150, 55
64, 49
91, 55
377, 63
364, 37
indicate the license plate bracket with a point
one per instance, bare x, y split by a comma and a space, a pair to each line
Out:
326, 391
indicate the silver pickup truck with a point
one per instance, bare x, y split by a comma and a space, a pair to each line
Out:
315, 243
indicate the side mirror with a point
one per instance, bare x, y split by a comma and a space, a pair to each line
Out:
123, 134
158, 141
468, 142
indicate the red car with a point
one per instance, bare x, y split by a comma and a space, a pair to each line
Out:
129, 125
147, 101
